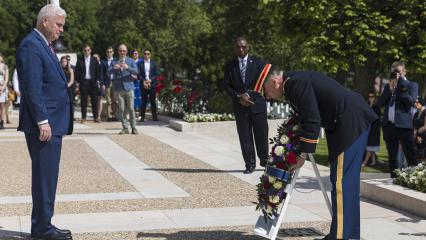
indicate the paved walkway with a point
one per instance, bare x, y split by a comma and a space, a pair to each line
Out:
163, 184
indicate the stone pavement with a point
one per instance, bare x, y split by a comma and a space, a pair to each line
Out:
163, 184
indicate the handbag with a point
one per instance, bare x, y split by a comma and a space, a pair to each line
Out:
11, 95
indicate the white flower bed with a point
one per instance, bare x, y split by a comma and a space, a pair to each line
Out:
412, 177
207, 117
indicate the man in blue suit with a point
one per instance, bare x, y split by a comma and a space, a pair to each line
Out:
122, 70
398, 98
148, 77
44, 116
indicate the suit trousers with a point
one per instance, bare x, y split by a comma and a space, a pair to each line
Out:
125, 105
45, 158
111, 102
345, 180
88, 89
247, 124
152, 95
394, 136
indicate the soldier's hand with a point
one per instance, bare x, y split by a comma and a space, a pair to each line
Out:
45, 132
300, 161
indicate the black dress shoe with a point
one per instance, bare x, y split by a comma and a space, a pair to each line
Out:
61, 230
263, 163
249, 170
56, 234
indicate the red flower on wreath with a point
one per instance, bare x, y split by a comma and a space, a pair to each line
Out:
292, 158
281, 165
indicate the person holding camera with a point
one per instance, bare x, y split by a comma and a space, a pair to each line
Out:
398, 98
241, 75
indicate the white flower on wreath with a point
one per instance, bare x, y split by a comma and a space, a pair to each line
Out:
296, 127
274, 199
284, 139
279, 150
269, 209
271, 179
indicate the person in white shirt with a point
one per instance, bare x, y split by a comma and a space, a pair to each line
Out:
148, 76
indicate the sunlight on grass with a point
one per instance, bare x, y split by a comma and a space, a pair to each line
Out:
321, 157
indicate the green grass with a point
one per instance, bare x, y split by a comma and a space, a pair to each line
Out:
321, 157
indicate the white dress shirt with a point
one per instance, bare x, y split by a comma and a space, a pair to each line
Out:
147, 65
87, 63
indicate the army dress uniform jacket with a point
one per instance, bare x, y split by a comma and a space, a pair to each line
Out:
323, 102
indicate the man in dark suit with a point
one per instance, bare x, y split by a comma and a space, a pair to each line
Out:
322, 102
88, 80
148, 77
44, 116
241, 76
105, 77
398, 98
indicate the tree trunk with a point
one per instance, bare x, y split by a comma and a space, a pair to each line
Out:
365, 76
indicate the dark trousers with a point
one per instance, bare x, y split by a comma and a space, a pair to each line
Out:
248, 124
151, 94
71, 91
345, 179
87, 88
45, 157
394, 136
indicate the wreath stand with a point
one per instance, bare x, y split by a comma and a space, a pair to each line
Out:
269, 229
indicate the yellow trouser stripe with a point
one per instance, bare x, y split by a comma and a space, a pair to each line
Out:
339, 195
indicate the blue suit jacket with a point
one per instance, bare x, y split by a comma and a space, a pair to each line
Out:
105, 74
122, 78
43, 87
404, 97
153, 72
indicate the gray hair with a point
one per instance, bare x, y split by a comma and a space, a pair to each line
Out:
49, 11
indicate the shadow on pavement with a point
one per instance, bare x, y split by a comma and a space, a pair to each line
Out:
210, 235
12, 235
197, 170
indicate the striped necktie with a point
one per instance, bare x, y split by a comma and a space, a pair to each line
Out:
243, 70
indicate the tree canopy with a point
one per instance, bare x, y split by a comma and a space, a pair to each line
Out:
353, 41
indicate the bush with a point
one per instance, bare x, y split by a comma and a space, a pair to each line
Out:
412, 177
220, 103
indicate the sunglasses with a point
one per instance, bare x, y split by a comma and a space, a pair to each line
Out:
147, 53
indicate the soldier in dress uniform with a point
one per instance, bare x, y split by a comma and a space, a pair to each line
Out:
321, 101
